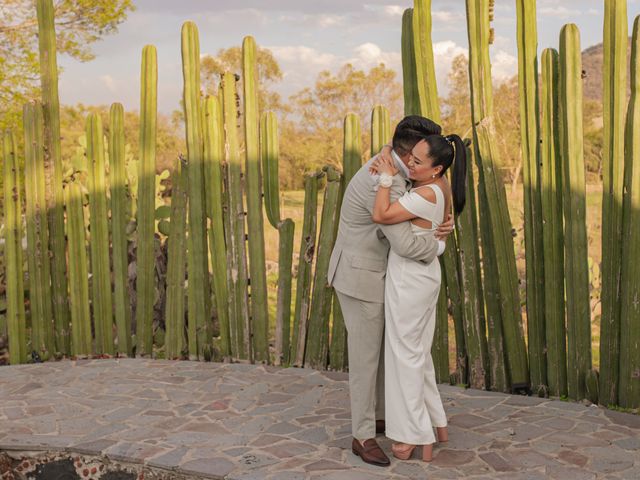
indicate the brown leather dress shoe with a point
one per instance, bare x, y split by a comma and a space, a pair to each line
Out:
370, 452
381, 426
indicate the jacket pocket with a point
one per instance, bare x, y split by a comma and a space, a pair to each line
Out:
371, 264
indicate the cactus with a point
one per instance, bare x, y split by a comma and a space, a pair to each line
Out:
53, 170
102, 299
629, 389
78, 275
16, 318
269, 154
318, 337
338, 358
409, 79
351, 159
380, 128
174, 317
235, 233
257, 273
200, 334
307, 252
424, 63
498, 215
527, 36
552, 236
42, 332
213, 158
119, 221
145, 209
576, 267
614, 99
440, 345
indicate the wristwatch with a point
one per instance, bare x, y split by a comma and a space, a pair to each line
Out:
385, 180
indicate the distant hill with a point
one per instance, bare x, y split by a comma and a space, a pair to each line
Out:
592, 64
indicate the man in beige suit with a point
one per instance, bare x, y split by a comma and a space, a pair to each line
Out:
357, 272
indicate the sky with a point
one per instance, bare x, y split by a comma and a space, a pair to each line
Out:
306, 37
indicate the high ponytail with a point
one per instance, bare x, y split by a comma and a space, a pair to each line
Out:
459, 174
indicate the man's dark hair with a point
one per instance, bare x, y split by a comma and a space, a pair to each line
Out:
411, 130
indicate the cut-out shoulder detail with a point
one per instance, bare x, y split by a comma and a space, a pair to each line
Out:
429, 194
422, 207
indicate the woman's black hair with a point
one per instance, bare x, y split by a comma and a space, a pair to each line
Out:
443, 150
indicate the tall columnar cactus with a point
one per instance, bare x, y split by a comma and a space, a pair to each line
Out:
318, 338
380, 128
409, 79
440, 346
119, 221
255, 222
146, 202
213, 158
614, 81
552, 235
174, 318
352, 148
338, 358
235, 234
53, 169
16, 318
102, 299
575, 231
307, 252
424, 63
498, 215
42, 331
199, 297
629, 391
78, 274
527, 36
269, 154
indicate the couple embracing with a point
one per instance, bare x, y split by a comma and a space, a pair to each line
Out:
384, 268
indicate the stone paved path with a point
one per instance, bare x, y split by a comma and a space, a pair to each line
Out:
236, 422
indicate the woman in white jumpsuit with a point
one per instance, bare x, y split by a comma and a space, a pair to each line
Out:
412, 401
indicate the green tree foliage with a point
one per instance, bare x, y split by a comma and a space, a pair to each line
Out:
79, 23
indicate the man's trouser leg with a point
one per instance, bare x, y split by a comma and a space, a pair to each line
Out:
365, 326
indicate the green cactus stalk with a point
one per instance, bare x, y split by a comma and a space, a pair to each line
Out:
318, 337
270, 155
527, 36
213, 158
255, 219
629, 390
16, 317
380, 128
440, 346
338, 358
102, 299
575, 232
119, 221
352, 149
237, 258
78, 284
424, 62
488, 158
552, 235
145, 210
42, 328
614, 81
53, 170
175, 339
409, 79
307, 252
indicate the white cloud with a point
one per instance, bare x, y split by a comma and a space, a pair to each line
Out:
394, 10
109, 83
560, 12
503, 65
448, 17
368, 55
593, 11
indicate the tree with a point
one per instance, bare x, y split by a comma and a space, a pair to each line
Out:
79, 23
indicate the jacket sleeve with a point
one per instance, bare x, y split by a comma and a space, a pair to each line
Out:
400, 235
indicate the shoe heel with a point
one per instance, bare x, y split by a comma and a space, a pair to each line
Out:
427, 453
403, 455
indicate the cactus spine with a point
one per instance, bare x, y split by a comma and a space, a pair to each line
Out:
174, 317
119, 220
614, 97
576, 266
270, 155
42, 333
78, 274
200, 334
487, 156
552, 236
16, 318
53, 169
257, 273
629, 392
146, 202
100, 273
380, 128
307, 252
237, 268
213, 158
527, 36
